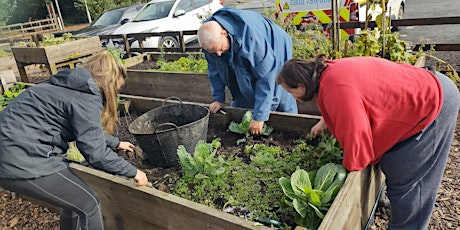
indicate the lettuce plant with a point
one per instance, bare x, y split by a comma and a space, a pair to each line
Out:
203, 163
243, 127
311, 194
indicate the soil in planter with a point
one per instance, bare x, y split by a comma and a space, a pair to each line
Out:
165, 179
161, 178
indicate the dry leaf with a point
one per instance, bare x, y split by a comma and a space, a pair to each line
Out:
14, 221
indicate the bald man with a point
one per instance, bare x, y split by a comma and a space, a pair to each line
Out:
245, 52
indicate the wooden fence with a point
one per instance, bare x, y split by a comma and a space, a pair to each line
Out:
27, 29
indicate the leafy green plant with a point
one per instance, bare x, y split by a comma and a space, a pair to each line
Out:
261, 154
308, 40
117, 51
4, 53
74, 154
185, 64
312, 200
243, 127
202, 164
49, 40
10, 94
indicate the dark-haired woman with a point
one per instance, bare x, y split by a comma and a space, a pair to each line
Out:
74, 105
396, 115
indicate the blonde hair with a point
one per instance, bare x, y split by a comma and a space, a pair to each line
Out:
109, 75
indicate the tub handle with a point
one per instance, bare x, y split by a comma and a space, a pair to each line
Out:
165, 124
166, 99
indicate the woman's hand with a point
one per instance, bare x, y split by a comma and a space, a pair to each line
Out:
126, 146
319, 127
140, 178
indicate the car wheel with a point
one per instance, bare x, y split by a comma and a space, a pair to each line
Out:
169, 42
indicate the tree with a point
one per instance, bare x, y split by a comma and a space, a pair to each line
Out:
6, 10
27, 10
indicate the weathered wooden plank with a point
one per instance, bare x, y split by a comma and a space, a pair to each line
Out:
353, 204
76, 49
29, 55
160, 84
7, 79
301, 123
125, 206
57, 53
55, 56
190, 86
128, 62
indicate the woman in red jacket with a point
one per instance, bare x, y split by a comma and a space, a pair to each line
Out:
392, 114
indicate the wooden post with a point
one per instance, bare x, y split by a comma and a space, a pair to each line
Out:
22, 72
336, 26
59, 19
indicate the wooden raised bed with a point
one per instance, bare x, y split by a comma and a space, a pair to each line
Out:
125, 206
190, 86
55, 56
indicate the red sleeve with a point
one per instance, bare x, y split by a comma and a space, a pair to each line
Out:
345, 115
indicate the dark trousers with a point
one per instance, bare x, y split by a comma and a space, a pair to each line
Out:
414, 167
80, 204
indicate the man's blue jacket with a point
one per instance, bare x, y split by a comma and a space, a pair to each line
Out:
249, 68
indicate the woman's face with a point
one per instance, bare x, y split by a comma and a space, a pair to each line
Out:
298, 93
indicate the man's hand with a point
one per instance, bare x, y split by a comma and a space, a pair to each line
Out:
215, 106
126, 146
256, 127
319, 127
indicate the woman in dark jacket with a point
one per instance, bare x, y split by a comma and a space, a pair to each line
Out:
74, 105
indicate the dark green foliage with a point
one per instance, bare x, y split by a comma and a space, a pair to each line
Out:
10, 94
311, 194
252, 181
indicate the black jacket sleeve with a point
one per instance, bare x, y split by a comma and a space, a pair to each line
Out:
91, 139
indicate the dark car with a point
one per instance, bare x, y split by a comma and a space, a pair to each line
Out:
108, 21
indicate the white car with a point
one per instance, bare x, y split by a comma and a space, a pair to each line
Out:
166, 16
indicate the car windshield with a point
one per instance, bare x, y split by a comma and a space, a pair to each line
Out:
154, 11
108, 18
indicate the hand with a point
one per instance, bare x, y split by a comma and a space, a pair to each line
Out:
256, 127
215, 106
140, 178
319, 127
126, 146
